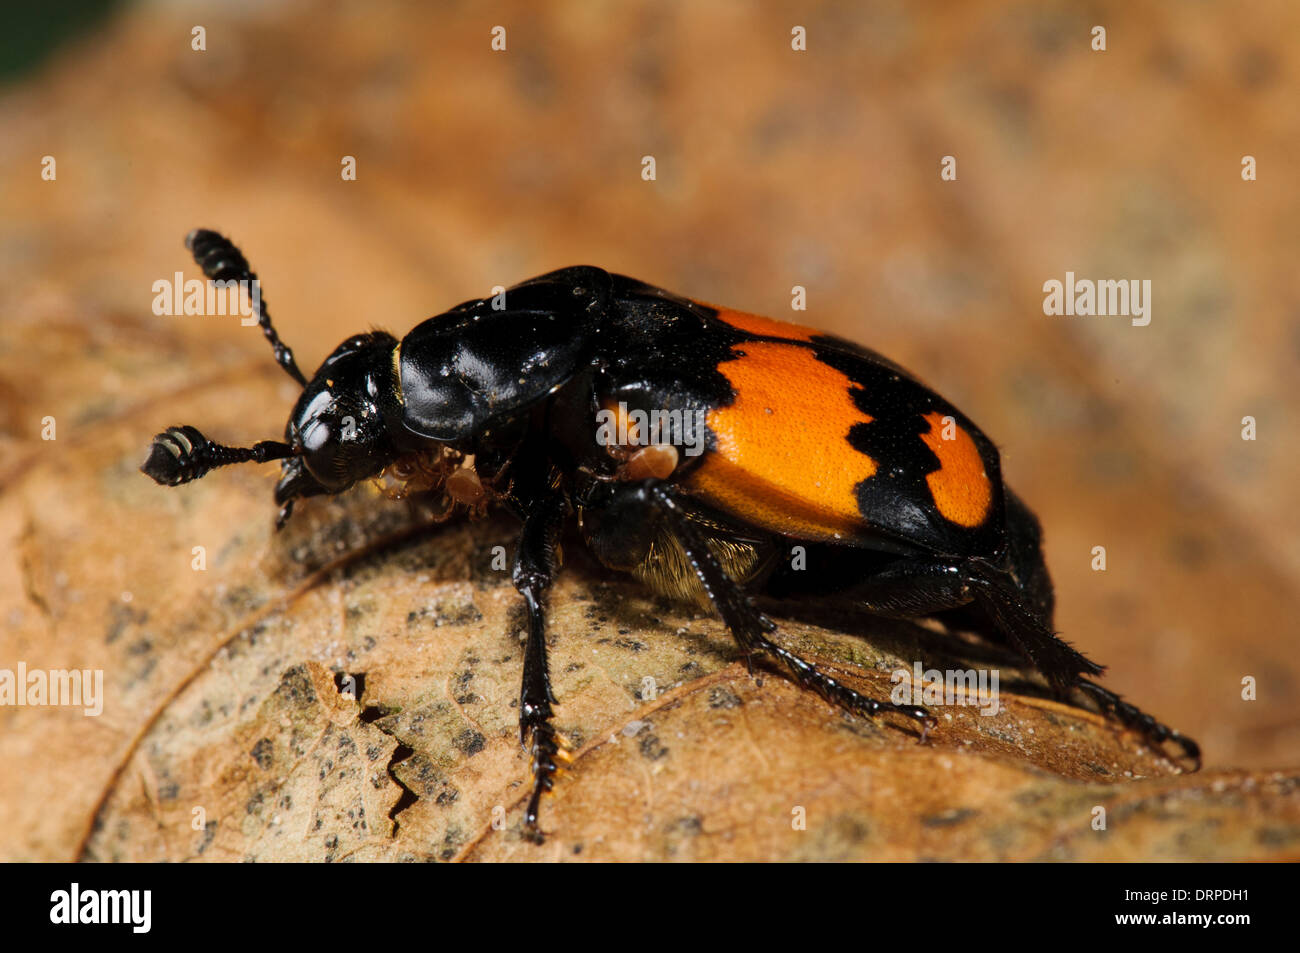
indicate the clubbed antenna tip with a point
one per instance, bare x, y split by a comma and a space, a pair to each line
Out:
182, 454
221, 260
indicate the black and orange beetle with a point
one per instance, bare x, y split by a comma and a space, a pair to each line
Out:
695, 446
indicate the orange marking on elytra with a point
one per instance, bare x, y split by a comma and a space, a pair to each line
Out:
782, 459
765, 327
960, 487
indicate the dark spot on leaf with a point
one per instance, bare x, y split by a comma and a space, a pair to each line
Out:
651, 749
470, 741
720, 696
263, 753
295, 687
1278, 836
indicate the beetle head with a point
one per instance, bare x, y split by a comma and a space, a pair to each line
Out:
336, 431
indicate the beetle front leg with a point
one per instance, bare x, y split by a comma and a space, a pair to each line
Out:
535, 564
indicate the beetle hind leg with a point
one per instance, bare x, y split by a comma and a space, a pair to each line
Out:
1027, 631
916, 587
1003, 611
1065, 667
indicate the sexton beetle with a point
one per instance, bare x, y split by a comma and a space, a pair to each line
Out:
694, 446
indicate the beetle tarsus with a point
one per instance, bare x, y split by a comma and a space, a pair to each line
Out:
544, 752
1159, 735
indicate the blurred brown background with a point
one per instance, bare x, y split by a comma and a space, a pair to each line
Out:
774, 168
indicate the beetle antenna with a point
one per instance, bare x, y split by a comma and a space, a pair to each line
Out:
182, 454
222, 261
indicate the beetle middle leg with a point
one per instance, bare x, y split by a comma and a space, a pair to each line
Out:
750, 627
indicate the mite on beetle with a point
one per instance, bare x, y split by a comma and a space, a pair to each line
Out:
800, 438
